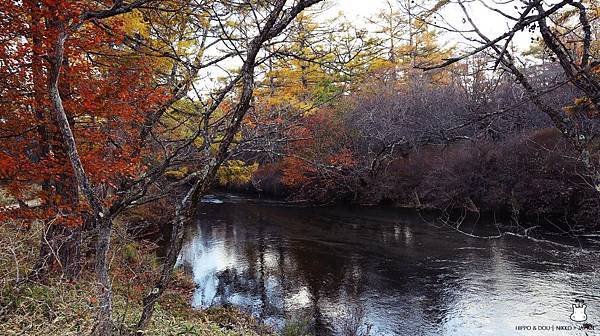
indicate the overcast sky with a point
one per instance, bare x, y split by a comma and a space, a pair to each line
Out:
354, 8
489, 22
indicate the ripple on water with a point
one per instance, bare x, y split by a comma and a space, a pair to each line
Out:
408, 277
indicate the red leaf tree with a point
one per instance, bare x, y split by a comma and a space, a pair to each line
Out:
107, 93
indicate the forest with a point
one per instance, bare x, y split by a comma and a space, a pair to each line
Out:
119, 117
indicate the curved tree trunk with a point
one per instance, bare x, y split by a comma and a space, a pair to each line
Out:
103, 225
178, 226
186, 209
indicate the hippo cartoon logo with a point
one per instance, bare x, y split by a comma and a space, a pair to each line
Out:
578, 314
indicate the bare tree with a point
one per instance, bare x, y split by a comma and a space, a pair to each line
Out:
567, 33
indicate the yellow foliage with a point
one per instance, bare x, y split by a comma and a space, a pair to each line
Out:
134, 23
177, 174
236, 172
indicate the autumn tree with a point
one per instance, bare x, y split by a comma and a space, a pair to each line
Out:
91, 86
311, 70
91, 96
104, 116
407, 39
566, 30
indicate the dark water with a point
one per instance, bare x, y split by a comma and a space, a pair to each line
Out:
408, 277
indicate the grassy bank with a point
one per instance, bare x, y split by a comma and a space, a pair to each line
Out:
62, 307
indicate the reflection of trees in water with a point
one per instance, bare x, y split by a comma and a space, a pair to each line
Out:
229, 283
293, 262
321, 272
275, 268
308, 264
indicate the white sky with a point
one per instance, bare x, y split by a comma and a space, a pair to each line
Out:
358, 8
492, 24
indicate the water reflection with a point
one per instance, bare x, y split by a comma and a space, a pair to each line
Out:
410, 278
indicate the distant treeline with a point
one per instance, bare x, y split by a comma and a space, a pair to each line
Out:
448, 145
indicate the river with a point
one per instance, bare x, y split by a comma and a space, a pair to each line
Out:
394, 270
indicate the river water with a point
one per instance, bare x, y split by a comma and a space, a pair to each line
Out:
387, 270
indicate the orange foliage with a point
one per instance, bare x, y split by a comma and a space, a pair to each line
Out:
323, 149
107, 93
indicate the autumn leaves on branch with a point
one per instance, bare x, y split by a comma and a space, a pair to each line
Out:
93, 96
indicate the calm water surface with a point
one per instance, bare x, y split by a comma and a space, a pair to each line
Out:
323, 265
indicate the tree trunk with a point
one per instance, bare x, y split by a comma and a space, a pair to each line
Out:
103, 225
58, 244
104, 327
182, 218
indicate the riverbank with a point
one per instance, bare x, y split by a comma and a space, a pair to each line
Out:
63, 307
532, 178
478, 223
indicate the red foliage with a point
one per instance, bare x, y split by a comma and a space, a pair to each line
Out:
107, 94
321, 159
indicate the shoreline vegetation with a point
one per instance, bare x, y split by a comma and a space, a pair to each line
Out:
60, 306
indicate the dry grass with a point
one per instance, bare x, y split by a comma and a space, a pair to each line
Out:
60, 307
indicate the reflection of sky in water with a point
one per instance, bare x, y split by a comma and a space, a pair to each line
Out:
212, 260
409, 278
490, 302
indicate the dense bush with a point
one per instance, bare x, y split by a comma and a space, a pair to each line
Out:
469, 144
532, 176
